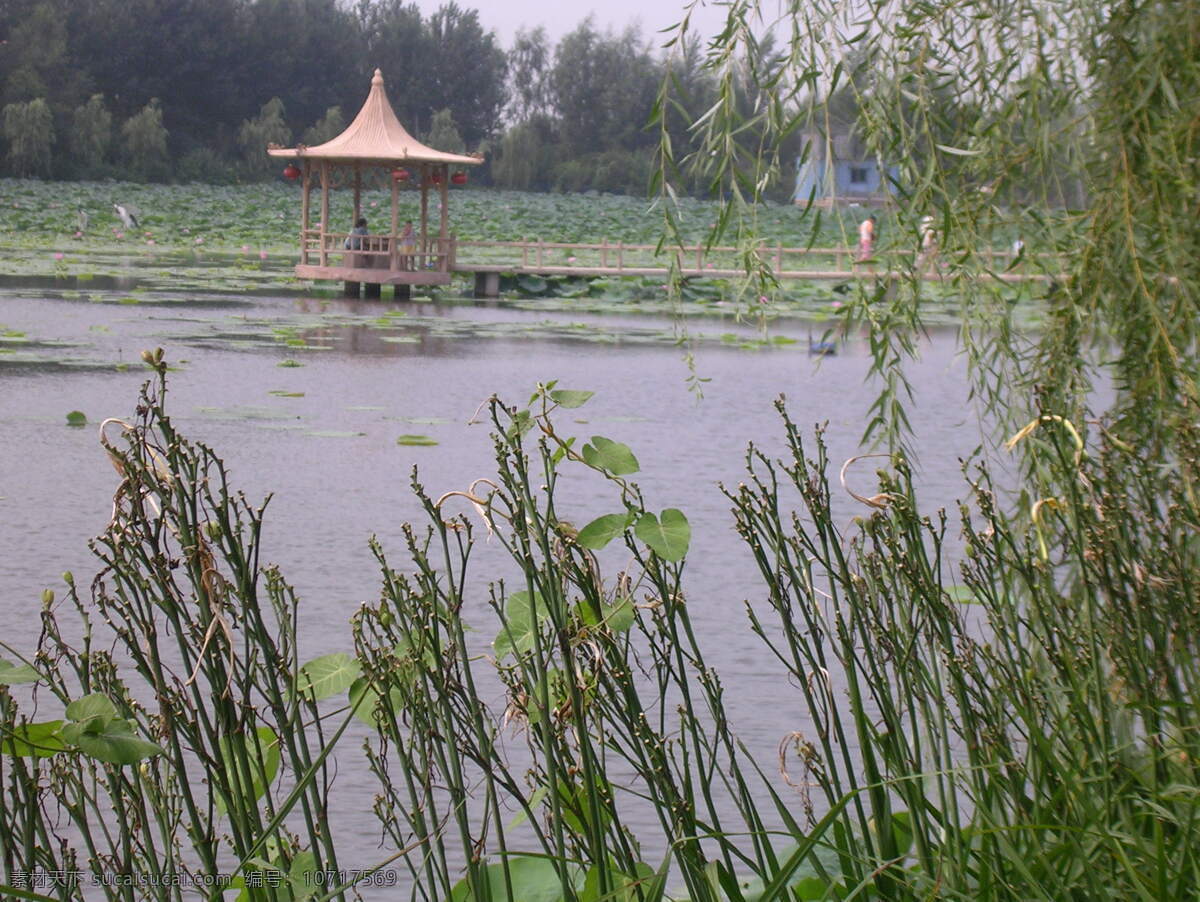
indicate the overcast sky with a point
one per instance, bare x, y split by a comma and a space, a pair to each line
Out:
561, 16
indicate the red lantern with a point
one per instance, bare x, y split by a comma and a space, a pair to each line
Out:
459, 178
437, 177
291, 172
401, 175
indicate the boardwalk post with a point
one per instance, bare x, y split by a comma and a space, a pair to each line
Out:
525, 253
604, 254
620, 255
779, 258
539, 254
487, 284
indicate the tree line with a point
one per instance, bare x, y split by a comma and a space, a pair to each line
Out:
193, 90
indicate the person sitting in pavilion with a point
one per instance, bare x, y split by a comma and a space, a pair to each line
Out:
354, 241
408, 246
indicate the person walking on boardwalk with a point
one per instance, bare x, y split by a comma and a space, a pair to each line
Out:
866, 239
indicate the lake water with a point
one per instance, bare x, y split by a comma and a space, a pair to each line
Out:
372, 371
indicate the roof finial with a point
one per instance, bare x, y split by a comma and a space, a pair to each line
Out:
378, 78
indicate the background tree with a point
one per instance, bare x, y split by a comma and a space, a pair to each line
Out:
144, 142
91, 135
467, 72
326, 128
528, 156
29, 131
268, 127
529, 76
443, 133
308, 52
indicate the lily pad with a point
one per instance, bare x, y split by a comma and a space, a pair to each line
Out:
416, 440
76, 418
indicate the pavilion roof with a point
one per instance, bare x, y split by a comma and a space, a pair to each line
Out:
375, 136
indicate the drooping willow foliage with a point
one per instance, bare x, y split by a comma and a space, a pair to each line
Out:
1070, 125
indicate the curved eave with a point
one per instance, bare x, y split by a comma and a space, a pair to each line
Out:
304, 153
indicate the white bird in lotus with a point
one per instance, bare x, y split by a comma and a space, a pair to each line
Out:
82, 220
128, 219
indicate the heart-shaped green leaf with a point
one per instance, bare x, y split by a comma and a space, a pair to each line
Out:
12, 674
619, 615
570, 398
328, 675
34, 740
603, 530
91, 712
114, 742
520, 624
605, 454
667, 537
262, 759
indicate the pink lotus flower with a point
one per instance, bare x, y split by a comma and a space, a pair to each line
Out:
120, 234
245, 248
708, 266
570, 259
262, 255
200, 240
837, 305
762, 298
150, 241
79, 234
58, 256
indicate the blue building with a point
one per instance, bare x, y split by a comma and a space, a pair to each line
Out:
839, 171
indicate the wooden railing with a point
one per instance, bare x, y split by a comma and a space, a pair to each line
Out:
537, 255
616, 258
376, 251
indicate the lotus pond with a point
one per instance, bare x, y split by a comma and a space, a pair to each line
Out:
328, 405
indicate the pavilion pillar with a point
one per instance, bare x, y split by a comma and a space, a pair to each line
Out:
424, 212
357, 195
304, 212
444, 225
324, 212
394, 241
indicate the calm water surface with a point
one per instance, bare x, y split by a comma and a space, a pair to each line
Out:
435, 363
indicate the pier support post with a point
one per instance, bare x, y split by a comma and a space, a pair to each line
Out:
372, 290
402, 292
350, 289
487, 284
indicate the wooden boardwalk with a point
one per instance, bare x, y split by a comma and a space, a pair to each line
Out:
487, 260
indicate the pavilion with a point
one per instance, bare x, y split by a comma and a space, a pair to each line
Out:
375, 144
